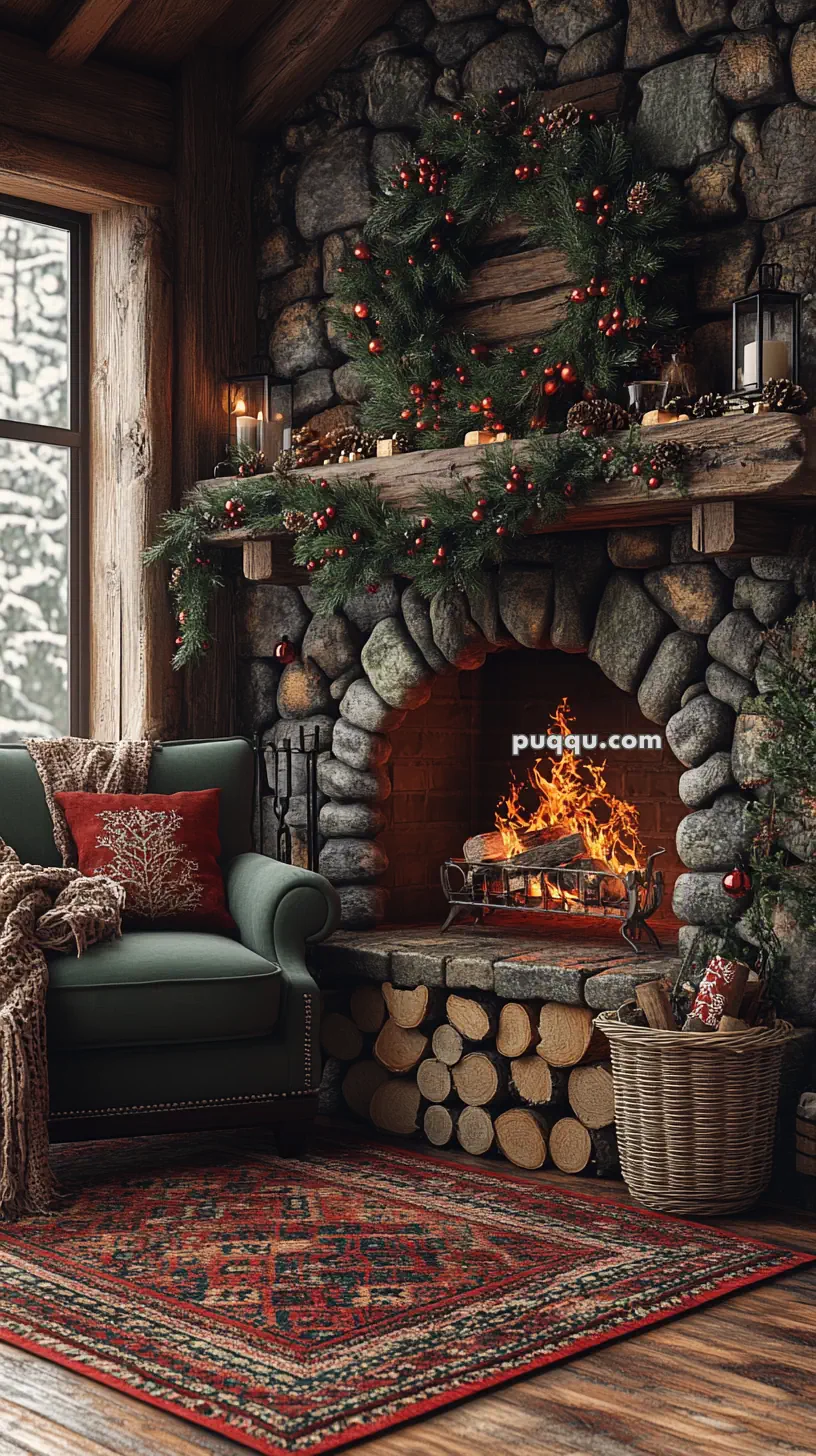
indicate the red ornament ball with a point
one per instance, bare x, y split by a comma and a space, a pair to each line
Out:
284, 651
405, 414
569, 489
636, 469
550, 386
501, 530
375, 346
425, 522
582, 204
450, 217
578, 295
599, 192
361, 310
372, 588
737, 882
362, 252
356, 537
477, 515
568, 373
654, 482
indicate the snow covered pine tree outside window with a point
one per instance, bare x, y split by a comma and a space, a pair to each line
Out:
34, 479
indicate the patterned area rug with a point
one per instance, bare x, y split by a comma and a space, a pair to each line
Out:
298, 1306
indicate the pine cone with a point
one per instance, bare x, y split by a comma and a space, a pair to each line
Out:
783, 394
669, 458
597, 416
295, 521
679, 404
561, 119
638, 198
708, 407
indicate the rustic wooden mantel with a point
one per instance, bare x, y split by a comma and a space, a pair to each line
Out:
743, 489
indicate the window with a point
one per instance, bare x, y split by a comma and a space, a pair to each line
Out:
43, 437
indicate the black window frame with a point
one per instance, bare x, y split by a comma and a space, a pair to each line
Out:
76, 438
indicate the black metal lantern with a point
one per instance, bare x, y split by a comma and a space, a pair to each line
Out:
765, 335
260, 415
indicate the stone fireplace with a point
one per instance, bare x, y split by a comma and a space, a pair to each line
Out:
416, 703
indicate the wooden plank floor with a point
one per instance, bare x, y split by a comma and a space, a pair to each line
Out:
737, 1378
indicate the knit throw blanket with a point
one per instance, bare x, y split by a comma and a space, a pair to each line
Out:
48, 908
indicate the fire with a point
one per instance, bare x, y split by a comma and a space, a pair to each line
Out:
576, 797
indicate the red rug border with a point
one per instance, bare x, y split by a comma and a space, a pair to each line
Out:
420, 1408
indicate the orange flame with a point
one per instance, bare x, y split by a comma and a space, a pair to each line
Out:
576, 797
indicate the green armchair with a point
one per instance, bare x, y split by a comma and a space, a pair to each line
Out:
162, 1031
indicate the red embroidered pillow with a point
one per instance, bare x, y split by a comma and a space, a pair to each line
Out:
163, 848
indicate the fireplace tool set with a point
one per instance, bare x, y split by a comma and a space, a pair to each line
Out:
291, 772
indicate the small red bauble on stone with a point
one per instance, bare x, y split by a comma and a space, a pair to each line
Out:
737, 882
362, 252
372, 588
284, 651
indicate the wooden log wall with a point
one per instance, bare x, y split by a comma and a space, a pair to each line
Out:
215, 324
529, 1081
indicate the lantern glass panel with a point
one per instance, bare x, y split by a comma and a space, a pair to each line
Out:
777, 338
277, 435
247, 412
746, 334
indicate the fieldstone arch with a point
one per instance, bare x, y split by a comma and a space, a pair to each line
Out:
683, 634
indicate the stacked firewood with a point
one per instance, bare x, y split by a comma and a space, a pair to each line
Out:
529, 1080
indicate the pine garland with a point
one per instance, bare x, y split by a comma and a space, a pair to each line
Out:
578, 187
351, 540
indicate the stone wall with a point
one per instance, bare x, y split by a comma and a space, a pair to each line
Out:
722, 94
684, 636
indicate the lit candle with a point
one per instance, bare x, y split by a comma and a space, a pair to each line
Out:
775, 363
245, 428
259, 431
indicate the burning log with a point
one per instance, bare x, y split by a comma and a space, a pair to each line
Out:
548, 856
475, 1131
518, 1028
573, 1147
591, 1094
398, 1048
361, 1081
538, 1084
521, 1135
475, 1017
448, 1044
367, 1008
481, 1079
568, 1035
395, 1106
483, 847
410, 1008
434, 1080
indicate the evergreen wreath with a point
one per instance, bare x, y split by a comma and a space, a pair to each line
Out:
578, 187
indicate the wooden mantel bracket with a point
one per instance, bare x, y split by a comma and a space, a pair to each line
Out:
748, 478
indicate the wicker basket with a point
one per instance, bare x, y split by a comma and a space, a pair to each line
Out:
695, 1113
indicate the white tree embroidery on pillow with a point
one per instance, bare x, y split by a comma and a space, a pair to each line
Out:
147, 859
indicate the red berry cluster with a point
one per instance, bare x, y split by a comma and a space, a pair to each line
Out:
557, 374
423, 402
595, 288
597, 202
485, 406
518, 481
234, 510
431, 176
417, 542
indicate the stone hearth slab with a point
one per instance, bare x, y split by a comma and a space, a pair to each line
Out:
560, 966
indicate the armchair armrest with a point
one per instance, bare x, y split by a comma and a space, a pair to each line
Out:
278, 907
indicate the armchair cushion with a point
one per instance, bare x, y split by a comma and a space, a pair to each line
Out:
155, 987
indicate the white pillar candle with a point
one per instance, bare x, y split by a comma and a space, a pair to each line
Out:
259, 431
245, 430
775, 364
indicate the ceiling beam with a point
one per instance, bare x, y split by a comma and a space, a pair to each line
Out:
291, 57
42, 170
82, 28
98, 106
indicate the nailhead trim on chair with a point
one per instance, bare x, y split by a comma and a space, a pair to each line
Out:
307, 1051
179, 1106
